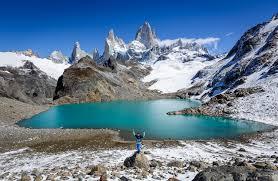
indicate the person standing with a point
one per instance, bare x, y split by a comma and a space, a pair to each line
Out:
139, 137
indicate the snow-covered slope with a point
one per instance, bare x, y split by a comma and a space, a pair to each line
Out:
173, 74
252, 64
46, 65
253, 59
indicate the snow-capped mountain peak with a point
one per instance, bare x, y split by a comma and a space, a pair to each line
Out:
58, 57
77, 53
146, 35
113, 46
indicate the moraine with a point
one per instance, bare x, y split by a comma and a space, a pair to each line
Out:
149, 116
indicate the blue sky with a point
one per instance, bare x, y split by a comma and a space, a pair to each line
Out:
47, 25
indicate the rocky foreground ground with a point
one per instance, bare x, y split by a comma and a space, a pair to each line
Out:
198, 160
30, 154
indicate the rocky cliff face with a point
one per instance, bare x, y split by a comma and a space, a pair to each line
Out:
146, 35
27, 84
86, 81
114, 47
77, 53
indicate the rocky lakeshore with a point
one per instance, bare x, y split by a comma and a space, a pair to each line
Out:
15, 137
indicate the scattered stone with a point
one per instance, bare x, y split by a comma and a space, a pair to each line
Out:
50, 177
123, 178
115, 174
98, 170
35, 172
215, 163
147, 152
173, 179
103, 178
242, 150
176, 163
192, 168
155, 163
265, 165
25, 177
4, 175
156, 177
199, 164
38, 178
247, 165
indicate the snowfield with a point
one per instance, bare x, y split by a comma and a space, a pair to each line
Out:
173, 75
261, 107
52, 69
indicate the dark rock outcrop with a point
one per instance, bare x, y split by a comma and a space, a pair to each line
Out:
27, 84
236, 173
86, 81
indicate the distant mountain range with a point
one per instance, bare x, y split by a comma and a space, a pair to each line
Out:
182, 66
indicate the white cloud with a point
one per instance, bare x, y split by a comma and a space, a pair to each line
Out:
229, 34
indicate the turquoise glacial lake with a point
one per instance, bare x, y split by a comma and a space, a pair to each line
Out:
149, 116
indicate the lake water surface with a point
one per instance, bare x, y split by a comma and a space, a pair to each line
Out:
149, 116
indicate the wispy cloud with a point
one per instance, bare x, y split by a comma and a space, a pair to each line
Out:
229, 34
209, 41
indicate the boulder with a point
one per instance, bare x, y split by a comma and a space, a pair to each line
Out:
137, 160
199, 164
38, 178
141, 161
235, 173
